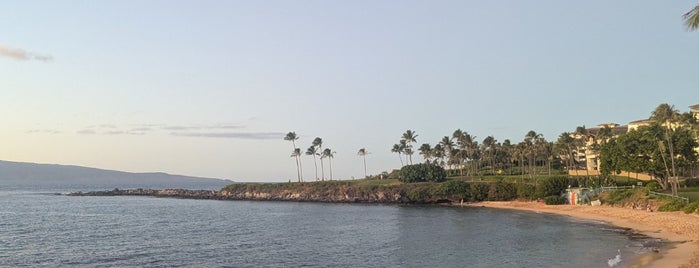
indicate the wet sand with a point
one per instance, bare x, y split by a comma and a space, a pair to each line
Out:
677, 227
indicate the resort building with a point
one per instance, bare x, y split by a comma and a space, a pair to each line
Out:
586, 155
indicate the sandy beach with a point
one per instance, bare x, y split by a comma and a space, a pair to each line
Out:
672, 226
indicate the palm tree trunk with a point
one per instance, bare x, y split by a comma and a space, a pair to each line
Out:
365, 166
322, 170
315, 163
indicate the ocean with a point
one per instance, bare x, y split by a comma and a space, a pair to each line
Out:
42, 229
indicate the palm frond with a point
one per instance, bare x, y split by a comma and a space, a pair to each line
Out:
691, 19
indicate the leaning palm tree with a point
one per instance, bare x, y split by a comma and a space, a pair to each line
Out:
362, 153
329, 154
409, 137
691, 19
291, 136
318, 143
314, 152
397, 148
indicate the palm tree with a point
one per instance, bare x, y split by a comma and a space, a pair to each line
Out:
397, 148
318, 143
667, 115
426, 151
296, 153
691, 19
529, 140
328, 153
313, 151
291, 136
362, 153
489, 147
447, 145
409, 137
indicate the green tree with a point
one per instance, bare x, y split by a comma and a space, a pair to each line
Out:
398, 148
314, 152
318, 143
296, 152
426, 151
422, 172
362, 153
409, 137
667, 116
329, 154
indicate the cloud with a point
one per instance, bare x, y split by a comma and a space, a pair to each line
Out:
233, 135
21, 54
43, 131
198, 127
87, 132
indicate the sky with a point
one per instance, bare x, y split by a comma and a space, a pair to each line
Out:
210, 88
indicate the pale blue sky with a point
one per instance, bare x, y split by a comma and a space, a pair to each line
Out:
209, 88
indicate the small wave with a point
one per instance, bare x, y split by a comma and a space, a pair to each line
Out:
616, 260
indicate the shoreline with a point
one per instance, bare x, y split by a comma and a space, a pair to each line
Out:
681, 230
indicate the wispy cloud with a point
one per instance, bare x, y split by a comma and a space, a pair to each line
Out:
43, 131
21, 54
199, 127
87, 132
233, 135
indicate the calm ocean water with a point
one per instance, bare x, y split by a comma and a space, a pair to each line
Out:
39, 229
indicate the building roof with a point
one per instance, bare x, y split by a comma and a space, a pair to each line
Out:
694, 108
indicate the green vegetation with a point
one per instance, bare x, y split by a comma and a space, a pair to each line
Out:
618, 196
421, 173
674, 205
554, 200
691, 207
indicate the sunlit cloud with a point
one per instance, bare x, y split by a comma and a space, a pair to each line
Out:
21, 54
232, 135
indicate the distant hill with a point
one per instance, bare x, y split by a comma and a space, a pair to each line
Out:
48, 176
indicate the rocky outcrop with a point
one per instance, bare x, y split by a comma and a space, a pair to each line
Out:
328, 192
175, 193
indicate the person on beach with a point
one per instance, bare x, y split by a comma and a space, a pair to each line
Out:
648, 208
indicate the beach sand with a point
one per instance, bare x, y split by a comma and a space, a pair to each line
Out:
678, 227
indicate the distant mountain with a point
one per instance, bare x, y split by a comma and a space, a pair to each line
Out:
48, 176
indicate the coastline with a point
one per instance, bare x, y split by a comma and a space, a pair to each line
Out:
677, 227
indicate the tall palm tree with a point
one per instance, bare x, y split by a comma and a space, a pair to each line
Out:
691, 18
439, 153
313, 151
291, 136
409, 137
426, 151
667, 115
489, 147
296, 153
318, 143
362, 153
529, 140
329, 154
397, 148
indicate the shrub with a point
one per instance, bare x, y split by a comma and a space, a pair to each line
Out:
551, 186
422, 172
501, 191
617, 196
673, 205
456, 188
691, 207
652, 186
479, 191
419, 194
525, 191
554, 200
690, 183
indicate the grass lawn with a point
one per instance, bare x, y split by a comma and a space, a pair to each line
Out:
692, 193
